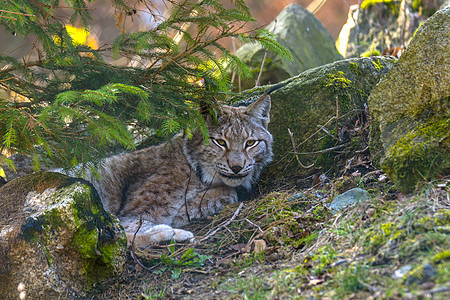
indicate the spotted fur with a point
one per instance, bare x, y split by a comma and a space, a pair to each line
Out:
173, 183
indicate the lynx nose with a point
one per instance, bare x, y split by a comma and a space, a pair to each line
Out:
236, 169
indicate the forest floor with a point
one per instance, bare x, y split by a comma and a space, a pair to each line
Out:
289, 245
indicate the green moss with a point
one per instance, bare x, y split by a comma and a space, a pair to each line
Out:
338, 81
378, 65
429, 223
371, 52
343, 184
112, 251
85, 241
326, 160
419, 155
386, 228
441, 257
354, 67
350, 279
368, 3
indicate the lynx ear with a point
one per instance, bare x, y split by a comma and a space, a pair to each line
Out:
260, 109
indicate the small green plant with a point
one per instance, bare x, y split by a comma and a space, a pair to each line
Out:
249, 259
154, 293
352, 279
188, 259
325, 256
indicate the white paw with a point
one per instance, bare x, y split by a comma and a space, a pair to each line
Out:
180, 235
158, 234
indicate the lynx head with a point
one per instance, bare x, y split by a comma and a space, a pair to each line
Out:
240, 145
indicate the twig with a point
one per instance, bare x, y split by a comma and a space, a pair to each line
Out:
369, 287
234, 52
231, 232
317, 131
291, 135
329, 134
371, 173
357, 28
16, 13
320, 151
11, 18
133, 254
254, 225
261, 70
29, 64
185, 194
337, 115
349, 163
436, 291
223, 224
363, 150
264, 58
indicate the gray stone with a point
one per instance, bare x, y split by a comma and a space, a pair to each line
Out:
410, 108
56, 240
401, 272
339, 263
303, 35
348, 198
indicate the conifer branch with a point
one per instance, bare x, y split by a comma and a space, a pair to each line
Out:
76, 104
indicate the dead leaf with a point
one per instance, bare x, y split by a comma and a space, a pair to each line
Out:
313, 282
243, 248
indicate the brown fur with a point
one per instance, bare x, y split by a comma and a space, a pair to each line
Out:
184, 179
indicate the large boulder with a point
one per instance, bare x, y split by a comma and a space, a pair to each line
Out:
410, 108
56, 240
303, 35
325, 110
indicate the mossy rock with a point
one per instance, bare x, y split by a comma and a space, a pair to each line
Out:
303, 35
312, 100
410, 108
56, 239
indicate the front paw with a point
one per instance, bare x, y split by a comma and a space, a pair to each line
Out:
180, 235
160, 234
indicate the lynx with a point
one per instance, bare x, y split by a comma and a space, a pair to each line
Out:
168, 185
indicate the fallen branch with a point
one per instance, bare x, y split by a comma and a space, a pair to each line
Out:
317, 131
133, 254
223, 224
369, 287
251, 223
291, 135
435, 291
329, 134
264, 59
320, 151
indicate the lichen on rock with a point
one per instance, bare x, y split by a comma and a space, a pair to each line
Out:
58, 240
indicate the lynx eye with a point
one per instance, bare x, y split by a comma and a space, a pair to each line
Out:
220, 142
250, 143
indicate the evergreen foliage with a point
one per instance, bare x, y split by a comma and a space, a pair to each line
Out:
70, 104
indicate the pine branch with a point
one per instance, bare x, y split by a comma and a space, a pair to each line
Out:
78, 104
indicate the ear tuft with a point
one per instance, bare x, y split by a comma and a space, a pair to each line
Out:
260, 109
